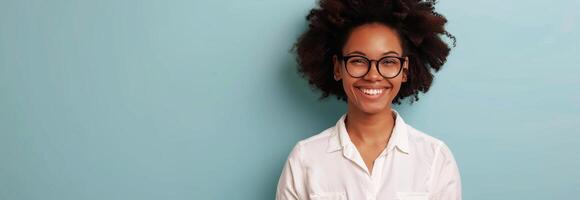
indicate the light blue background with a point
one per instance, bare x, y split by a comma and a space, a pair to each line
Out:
200, 99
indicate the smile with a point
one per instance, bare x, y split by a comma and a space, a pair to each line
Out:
372, 92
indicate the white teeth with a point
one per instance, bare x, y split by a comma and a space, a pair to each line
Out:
371, 91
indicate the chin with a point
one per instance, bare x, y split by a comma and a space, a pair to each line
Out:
372, 108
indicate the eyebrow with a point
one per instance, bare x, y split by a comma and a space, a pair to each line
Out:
361, 53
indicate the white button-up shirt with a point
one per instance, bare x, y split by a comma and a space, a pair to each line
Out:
328, 166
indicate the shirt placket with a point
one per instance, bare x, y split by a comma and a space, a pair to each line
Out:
375, 178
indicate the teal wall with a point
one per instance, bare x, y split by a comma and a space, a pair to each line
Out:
185, 99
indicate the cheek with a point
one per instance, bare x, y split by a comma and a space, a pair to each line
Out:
347, 86
397, 86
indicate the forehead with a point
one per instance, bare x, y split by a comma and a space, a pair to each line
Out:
373, 40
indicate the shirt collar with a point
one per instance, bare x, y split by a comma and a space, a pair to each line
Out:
399, 138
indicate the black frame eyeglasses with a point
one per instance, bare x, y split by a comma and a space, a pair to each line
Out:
358, 66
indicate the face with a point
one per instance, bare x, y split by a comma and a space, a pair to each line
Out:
371, 93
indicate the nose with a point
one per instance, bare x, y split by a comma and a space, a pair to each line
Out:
373, 74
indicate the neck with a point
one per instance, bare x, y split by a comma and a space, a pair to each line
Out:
368, 128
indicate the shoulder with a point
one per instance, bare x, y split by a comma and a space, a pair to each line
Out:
420, 138
427, 145
317, 141
313, 146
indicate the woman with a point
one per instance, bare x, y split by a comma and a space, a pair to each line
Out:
371, 54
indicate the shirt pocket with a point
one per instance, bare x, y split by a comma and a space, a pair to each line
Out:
414, 196
328, 196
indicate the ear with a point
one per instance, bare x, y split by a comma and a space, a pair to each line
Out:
405, 69
336, 68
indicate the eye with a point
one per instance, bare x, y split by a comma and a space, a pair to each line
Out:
390, 61
357, 61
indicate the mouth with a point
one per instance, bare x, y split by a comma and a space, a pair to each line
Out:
372, 93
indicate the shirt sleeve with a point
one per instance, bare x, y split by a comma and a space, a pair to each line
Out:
291, 182
445, 179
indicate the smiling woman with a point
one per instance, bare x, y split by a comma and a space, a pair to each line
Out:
371, 54
371, 89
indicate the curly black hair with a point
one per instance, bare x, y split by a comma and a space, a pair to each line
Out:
418, 26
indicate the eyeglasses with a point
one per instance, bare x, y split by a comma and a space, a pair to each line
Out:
359, 66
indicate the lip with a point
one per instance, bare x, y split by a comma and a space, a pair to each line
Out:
371, 97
